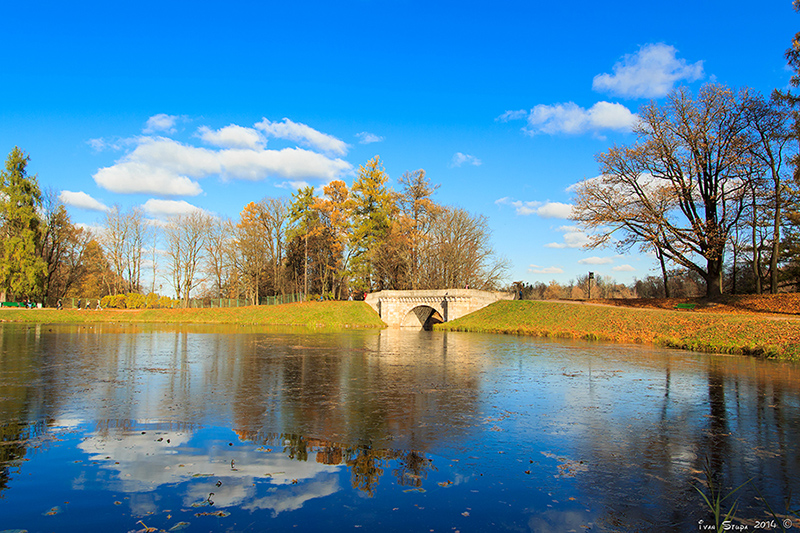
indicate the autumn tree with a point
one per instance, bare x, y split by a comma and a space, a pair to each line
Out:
22, 269
373, 208
74, 264
302, 225
681, 186
250, 242
93, 275
419, 212
334, 211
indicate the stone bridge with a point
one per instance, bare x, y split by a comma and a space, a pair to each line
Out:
422, 309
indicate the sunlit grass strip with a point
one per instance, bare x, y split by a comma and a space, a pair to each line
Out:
729, 334
337, 315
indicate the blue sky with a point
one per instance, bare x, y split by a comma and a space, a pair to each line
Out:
176, 105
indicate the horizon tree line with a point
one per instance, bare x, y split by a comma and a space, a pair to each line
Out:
335, 245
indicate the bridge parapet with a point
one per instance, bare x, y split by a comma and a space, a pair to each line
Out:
413, 308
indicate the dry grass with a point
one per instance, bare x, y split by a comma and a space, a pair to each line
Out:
739, 331
785, 304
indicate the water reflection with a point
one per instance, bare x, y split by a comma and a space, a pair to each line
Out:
450, 430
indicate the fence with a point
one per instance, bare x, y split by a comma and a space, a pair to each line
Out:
202, 303
229, 302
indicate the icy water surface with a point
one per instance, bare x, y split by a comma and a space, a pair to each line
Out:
137, 428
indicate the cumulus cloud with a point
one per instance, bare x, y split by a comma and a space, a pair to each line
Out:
232, 136
574, 237
571, 119
303, 134
131, 177
624, 268
596, 261
543, 209
161, 123
536, 269
461, 159
368, 138
168, 208
81, 200
166, 167
649, 73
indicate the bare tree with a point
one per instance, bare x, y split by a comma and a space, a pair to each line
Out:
681, 187
769, 126
114, 240
123, 239
218, 257
460, 253
275, 219
186, 237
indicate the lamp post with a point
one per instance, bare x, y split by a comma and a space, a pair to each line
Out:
591, 277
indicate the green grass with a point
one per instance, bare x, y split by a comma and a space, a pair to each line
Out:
331, 315
716, 333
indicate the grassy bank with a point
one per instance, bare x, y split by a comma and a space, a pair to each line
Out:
335, 315
732, 334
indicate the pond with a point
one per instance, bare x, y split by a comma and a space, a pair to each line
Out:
150, 428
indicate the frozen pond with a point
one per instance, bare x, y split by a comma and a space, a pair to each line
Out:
122, 428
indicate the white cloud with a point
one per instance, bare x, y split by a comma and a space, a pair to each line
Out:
536, 269
232, 136
161, 123
545, 210
624, 268
459, 159
513, 115
368, 138
292, 185
130, 177
81, 200
168, 208
94, 229
574, 237
305, 135
649, 73
572, 119
596, 261
166, 167
555, 210
98, 145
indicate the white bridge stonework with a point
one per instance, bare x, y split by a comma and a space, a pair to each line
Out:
413, 309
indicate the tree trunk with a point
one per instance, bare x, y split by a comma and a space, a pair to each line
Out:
663, 271
776, 242
713, 278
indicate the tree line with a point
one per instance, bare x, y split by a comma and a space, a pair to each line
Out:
338, 244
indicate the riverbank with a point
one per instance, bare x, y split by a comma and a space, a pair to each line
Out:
629, 321
330, 315
751, 334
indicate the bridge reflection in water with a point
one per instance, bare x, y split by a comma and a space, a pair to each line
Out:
422, 309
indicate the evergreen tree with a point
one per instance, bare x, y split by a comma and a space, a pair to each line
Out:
374, 207
22, 269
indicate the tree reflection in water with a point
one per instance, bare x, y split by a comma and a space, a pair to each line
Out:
366, 463
548, 436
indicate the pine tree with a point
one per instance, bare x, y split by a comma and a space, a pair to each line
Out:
22, 269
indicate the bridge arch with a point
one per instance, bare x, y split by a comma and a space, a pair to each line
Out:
421, 317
